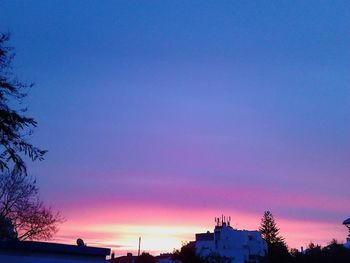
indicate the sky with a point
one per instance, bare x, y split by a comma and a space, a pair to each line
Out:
160, 115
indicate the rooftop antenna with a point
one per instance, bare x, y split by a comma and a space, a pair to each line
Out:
138, 253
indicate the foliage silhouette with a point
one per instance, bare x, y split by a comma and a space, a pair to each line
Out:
22, 215
187, 254
269, 230
15, 127
334, 253
20, 204
277, 248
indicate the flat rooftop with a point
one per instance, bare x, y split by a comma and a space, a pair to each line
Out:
52, 248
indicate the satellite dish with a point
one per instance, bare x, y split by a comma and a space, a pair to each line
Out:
80, 242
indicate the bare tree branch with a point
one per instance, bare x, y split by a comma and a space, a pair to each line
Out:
19, 203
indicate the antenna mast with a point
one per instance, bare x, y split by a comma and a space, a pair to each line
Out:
138, 253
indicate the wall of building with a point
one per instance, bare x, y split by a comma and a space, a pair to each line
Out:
238, 245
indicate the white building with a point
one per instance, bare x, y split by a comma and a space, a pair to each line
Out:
237, 246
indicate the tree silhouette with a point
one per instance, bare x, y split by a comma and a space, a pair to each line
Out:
269, 230
187, 254
334, 253
15, 127
22, 215
277, 249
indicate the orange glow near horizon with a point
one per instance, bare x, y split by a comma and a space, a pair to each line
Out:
163, 231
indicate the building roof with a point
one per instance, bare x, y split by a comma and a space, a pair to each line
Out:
52, 248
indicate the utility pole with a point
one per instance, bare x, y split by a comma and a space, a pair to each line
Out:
138, 254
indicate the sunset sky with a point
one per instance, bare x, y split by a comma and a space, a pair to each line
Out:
160, 115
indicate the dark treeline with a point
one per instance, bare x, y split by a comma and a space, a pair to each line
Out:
278, 251
333, 253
